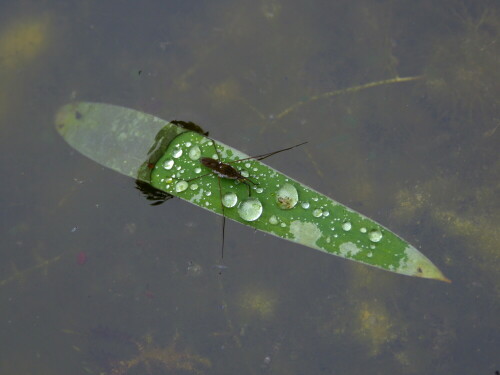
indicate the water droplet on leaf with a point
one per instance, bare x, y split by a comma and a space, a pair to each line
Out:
273, 220
250, 209
177, 153
168, 164
194, 153
347, 226
181, 186
229, 200
287, 197
375, 235
317, 212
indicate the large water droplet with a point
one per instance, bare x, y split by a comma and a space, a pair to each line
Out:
229, 200
181, 186
177, 153
194, 153
287, 197
250, 209
168, 164
375, 235
347, 226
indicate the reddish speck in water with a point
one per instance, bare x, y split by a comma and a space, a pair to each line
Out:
81, 258
149, 294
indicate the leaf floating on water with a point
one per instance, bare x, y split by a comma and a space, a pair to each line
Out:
167, 156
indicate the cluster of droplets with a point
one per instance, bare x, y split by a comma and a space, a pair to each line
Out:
287, 198
194, 153
251, 208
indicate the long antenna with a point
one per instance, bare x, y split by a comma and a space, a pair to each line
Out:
264, 156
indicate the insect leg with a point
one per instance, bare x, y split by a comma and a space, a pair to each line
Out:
223, 218
221, 205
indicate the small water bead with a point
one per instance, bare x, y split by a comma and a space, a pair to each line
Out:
259, 190
177, 153
247, 165
375, 235
188, 144
244, 173
194, 186
197, 170
287, 197
181, 186
363, 230
194, 153
250, 209
282, 225
168, 164
326, 213
317, 212
229, 200
305, 205
273, 220
208, 193
347, 226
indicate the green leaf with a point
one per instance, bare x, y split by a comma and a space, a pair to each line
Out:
168, 157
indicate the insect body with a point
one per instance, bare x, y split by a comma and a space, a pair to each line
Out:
224, 170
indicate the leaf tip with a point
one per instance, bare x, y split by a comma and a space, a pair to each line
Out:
416, 264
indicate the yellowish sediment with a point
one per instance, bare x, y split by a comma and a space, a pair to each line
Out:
22, 42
